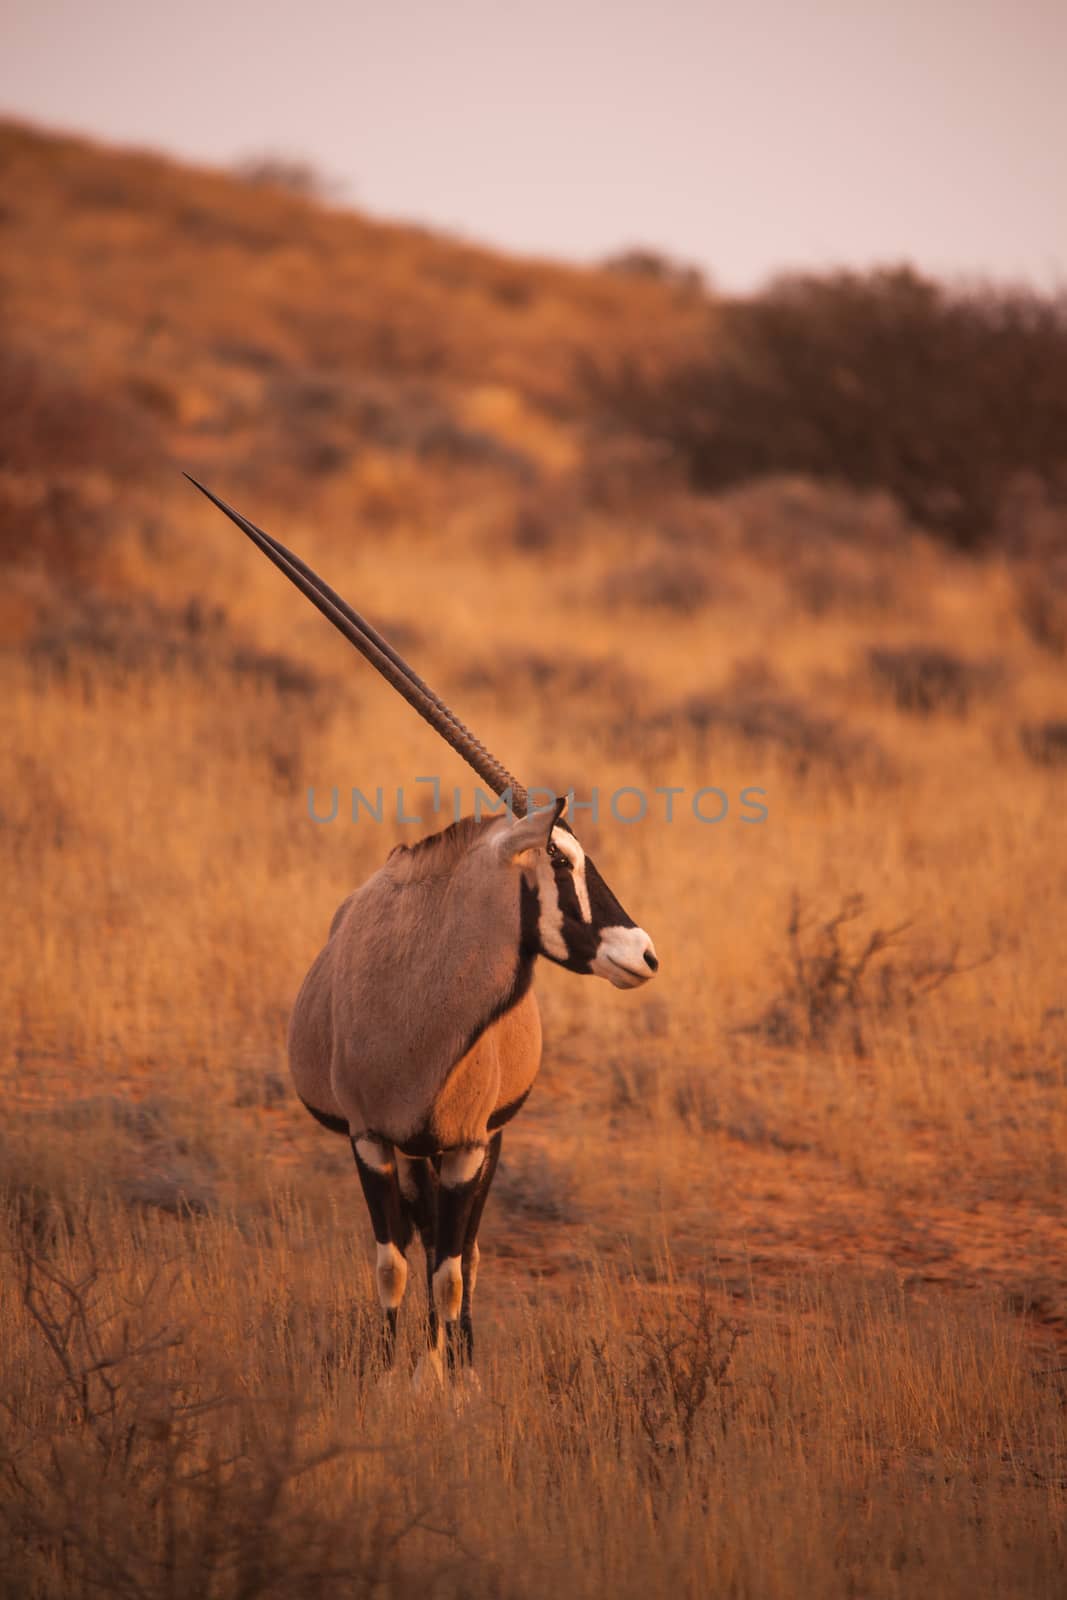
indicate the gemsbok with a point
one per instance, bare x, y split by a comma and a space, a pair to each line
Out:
416, 1032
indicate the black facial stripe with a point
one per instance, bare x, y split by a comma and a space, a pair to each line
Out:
582, 941
567, 895
581, 938
529, 917
606, 910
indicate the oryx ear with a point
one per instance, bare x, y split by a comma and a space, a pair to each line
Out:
531, 832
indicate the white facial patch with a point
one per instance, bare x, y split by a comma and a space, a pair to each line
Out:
568, 846
550, 916
620, 957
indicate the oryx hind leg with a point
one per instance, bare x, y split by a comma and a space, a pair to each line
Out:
460, 1198
471, 1252
417, 1178
376, 1165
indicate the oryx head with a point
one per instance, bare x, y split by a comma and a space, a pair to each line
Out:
568, 913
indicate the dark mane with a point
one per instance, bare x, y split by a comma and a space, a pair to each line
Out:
438, 852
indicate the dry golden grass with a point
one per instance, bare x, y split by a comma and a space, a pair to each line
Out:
773, 1298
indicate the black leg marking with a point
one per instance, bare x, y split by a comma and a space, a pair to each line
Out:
470, 1247
376, 1166
461, 1176
418, 1198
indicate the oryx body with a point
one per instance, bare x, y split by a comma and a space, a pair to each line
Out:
416, 1031
417, 1022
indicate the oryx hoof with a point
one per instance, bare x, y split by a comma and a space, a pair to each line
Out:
465, 1389
429, 1375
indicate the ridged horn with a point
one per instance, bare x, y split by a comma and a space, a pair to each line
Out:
381, 655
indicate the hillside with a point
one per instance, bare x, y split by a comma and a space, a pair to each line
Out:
772, 1297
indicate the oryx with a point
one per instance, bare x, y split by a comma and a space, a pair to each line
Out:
416, 1032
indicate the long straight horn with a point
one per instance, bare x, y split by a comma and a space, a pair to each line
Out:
381, 655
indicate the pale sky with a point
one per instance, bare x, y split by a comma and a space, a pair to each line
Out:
746, 137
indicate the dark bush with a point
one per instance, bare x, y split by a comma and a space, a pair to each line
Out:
54, 433
653, 265
323, 420
770, 724
669, 582
941, 396
290, 174
1045, 742
1043, 607
923, 679
131, 637
49, 422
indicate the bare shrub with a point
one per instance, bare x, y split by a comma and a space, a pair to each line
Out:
635, 1085
670, 582
925, 679
53, 432
290, 174
171, 1185
104, 1146
699, 1103
532, 1184
322, 420
96, 1355
821, 587
134, 636
642, 262
261, 1087
131, 1470
57, 528
51, 422
834, 986
545, 515
680, 1372
513, 674
622, 471
768, 722
1045, 742
1043, 607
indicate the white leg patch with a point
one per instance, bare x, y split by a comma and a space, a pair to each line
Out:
460, 1166
448, 1288
392, 1274
374, 1154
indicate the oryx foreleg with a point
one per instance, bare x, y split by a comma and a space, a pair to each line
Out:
470, 1245
461, 1174
376, 1166
418, 1195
